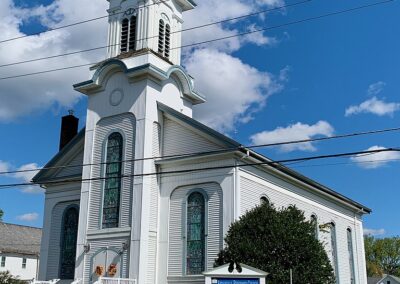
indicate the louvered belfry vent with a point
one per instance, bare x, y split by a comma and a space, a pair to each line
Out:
132, 33
167, 40
124, 35
161, 35
128, 34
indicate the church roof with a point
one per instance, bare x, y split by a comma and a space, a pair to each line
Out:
19, 239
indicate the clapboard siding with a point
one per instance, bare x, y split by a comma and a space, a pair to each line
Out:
70, 170
53, 263
177, 227
98, 245
126, 125
181, 140
151, 258
250, 194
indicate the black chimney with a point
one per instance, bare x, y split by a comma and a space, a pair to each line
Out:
69, 128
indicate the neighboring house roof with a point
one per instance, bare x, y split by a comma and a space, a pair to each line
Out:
229, 144
383, 279
19, 239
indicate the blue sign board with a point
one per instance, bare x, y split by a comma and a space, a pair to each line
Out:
236, 281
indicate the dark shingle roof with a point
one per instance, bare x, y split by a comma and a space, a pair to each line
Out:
19, 239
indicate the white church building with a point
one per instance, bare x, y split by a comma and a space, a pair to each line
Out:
159, 189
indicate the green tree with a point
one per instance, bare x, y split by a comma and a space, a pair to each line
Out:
276, 241
1, 215
382, 255
7, 278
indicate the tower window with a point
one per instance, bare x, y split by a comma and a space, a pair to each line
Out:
112, 187
128, 34
164, 39
195, 251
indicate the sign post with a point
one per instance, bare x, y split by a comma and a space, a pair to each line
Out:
248, 275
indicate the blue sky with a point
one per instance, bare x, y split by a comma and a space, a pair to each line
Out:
329, 65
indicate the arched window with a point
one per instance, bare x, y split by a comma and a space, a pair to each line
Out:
112, 184
195, 251
124, 35
161, 35
128, 34
167, 40
314, 221
334, 251
351, 256
68, 243
264, 200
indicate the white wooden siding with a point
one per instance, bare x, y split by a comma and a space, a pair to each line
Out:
126, 125
53, 263
77, 160
253, 188
181, 140
177, 226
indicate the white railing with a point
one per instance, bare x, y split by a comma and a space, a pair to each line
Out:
53, 281
109, 280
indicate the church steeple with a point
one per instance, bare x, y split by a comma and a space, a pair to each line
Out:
136, 25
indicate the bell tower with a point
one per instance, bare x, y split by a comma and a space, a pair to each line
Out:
137, 25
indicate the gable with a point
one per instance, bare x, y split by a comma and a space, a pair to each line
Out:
179, 139
62, 164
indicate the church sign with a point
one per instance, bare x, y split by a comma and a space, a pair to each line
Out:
235, 281
223, 275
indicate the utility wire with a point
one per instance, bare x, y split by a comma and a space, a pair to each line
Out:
268, 163
195, 154
76, 23
156, 36
223, 38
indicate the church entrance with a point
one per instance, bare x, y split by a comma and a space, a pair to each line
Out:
106, 263
68, 242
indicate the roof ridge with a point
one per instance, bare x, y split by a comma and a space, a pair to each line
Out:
19, 225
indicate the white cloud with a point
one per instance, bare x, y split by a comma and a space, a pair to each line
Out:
52, 90
298, 131
22, 174
28, 217
374, 232
373, 161
374, 106
376, 88
4, 166
230, 85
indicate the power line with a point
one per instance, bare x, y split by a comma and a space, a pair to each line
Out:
195, 154
219, 39
76, 23
156, 36
268, 163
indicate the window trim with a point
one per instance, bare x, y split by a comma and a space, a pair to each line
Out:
334, 251
185, 233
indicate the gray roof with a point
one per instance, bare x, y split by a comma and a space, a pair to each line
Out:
384, 277
19, 239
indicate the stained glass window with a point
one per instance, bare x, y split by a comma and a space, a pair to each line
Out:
112, 182
351, 256
195, 234
68, 243
334, 250
314, 222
